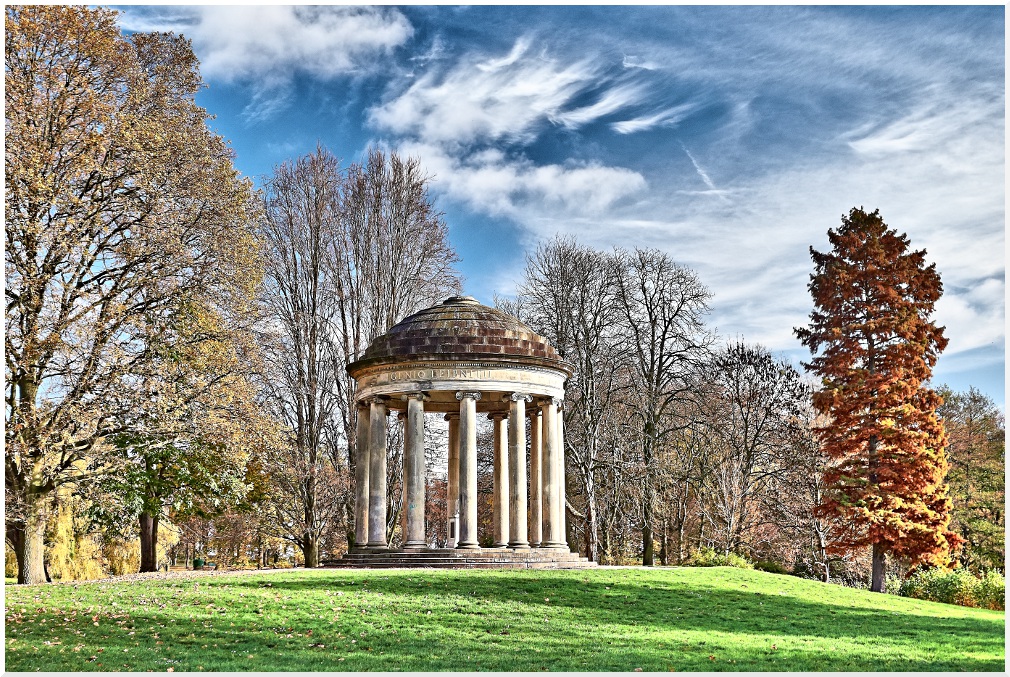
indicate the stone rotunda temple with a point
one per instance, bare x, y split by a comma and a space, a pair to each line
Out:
462, 359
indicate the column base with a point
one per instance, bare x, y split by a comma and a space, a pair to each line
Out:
377, 546
519, 546
554, 546
499, 546
415, 546
467, 546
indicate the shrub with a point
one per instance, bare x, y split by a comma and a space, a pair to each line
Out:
991, 592
72, 554
708, 557
958, 586
771, 567
122, 556
10, 562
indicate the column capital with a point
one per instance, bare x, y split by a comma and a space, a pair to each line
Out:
556, 401
515, 397
400, 415
422, 396
451, 417
361, 403
468, 394
497, 416
378, 399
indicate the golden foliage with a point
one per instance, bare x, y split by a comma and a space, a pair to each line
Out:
123, 212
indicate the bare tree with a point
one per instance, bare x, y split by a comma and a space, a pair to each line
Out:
754, 414
389, 257
568, 295
352, 253
303, 210
662, 304
801, 492
684, 465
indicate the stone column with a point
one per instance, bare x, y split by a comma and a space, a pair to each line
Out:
467, 469
361, 489
500, 490
377, 473
414, 471
536, 487
517, 471
562, 484
401, 418
452, 490
552, 536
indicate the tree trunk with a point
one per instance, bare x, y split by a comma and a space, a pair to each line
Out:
648, 557
570, 539
310, 548
647, 545
148, 542
29, 549
28, 541
664, 551
680, 540
879, 561
822, 550
606, 544
592, 535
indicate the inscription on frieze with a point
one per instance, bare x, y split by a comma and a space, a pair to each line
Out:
431, 374
448, 373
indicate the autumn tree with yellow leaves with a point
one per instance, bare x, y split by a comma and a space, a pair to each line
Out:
123, 215
874, 346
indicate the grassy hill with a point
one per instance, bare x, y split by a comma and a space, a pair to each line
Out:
606, 619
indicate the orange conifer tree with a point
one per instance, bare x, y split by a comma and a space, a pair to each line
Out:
874, 347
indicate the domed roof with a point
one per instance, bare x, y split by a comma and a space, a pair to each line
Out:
460, 329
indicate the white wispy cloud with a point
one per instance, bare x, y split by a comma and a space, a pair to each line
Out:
267, 47
456, 119
484, 99
494, 183
492, 65
668, 117
631, 61
612, 101
946, 192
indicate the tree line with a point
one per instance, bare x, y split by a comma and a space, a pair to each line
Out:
176, 340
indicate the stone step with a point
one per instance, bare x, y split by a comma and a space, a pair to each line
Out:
463, 554
462, 565
450, 558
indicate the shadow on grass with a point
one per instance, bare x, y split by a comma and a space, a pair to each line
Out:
607, 619
641, 597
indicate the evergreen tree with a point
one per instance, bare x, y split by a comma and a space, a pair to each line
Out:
874, 348
977, 477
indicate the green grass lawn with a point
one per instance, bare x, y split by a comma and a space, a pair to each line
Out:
605, 619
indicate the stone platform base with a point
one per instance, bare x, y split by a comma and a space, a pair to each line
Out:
449, 558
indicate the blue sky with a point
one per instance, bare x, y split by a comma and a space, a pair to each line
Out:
730, 137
